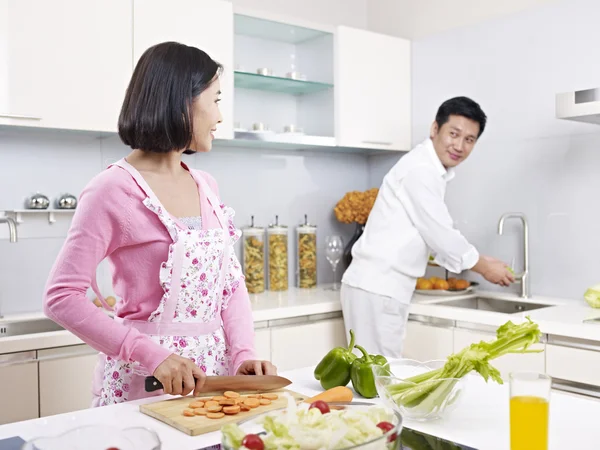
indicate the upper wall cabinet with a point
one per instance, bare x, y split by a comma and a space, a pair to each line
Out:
64, 63
372, 90
283, 83
205, 24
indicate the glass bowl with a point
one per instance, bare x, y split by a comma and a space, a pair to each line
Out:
387, 441
97, 437
429, 400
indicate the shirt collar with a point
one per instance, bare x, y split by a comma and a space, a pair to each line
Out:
446, 174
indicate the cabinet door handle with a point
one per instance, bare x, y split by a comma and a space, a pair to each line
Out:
19, 116
377, 143
12, 359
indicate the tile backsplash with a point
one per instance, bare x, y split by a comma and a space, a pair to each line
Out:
255, 182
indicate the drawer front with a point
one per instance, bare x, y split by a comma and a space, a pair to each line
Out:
573, 364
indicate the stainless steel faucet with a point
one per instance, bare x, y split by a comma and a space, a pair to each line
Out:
524, 276
12, 227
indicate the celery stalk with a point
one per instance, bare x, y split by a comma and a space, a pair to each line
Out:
430, 389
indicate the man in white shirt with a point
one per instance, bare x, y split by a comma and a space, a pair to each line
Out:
409, 221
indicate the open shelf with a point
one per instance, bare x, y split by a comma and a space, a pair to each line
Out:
18, 214
248, 80
274, 31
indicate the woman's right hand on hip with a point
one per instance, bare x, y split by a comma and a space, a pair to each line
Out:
180, 376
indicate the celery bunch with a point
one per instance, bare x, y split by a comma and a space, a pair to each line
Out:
430, 390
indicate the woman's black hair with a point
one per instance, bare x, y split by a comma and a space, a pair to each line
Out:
157, 111
461, 106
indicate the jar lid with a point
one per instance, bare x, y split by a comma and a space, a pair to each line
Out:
306, 227
253, 230
276, 226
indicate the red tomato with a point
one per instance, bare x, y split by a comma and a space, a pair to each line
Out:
321, 406
386, 427
112, 448
253, 442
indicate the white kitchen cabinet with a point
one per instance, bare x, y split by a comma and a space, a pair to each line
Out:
206, 24
424, 342
372, 90
18, 387
262, 343
64, 63
304, 345
573, 364
66, 375
527, 362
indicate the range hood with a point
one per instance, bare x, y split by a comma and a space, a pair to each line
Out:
580, 106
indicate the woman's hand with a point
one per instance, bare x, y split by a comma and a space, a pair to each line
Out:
254, 367
180, 376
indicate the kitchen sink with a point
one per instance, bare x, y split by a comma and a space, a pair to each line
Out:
493, 304
28, 327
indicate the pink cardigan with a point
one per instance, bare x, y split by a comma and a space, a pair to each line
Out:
111, 222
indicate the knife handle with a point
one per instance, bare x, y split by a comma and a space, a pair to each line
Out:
152, 384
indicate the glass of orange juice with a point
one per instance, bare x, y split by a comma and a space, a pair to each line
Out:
529, 410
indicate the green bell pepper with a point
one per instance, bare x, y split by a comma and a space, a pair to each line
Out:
361, 373
334, 368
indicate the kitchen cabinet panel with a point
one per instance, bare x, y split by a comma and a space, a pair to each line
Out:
573, 364
64, 63
424, 342
528, 362
262, 343
18, 387
66, 376
305, 345
206, 24
373, 92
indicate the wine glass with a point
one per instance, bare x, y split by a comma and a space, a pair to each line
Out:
333, 252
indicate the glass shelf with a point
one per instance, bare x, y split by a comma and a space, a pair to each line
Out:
274, 31
248, 80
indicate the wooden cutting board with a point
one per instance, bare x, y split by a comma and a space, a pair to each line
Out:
171, 412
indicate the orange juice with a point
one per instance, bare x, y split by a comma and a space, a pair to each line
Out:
528, 423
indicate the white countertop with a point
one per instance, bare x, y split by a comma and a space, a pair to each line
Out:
565, 318
480, 420
265, 307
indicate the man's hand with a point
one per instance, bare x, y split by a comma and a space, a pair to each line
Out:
494, 271
253, 367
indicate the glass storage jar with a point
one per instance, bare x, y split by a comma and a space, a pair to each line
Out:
278, 256
306, 238
254, 257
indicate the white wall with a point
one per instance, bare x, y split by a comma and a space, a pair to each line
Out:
418, 18
527, 160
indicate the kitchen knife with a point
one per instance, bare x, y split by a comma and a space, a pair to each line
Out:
232, 383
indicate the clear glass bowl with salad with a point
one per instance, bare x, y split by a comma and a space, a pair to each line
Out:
418, 390
320, 425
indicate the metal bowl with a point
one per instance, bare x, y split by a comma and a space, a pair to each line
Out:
37, 201
66, 201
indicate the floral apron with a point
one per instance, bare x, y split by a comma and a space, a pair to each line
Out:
199, 275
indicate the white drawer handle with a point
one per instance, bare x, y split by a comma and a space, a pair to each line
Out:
18, 116
377, 143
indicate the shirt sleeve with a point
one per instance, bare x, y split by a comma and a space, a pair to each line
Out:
422, 194
98, 228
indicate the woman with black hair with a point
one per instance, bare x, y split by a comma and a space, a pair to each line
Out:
185, 311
